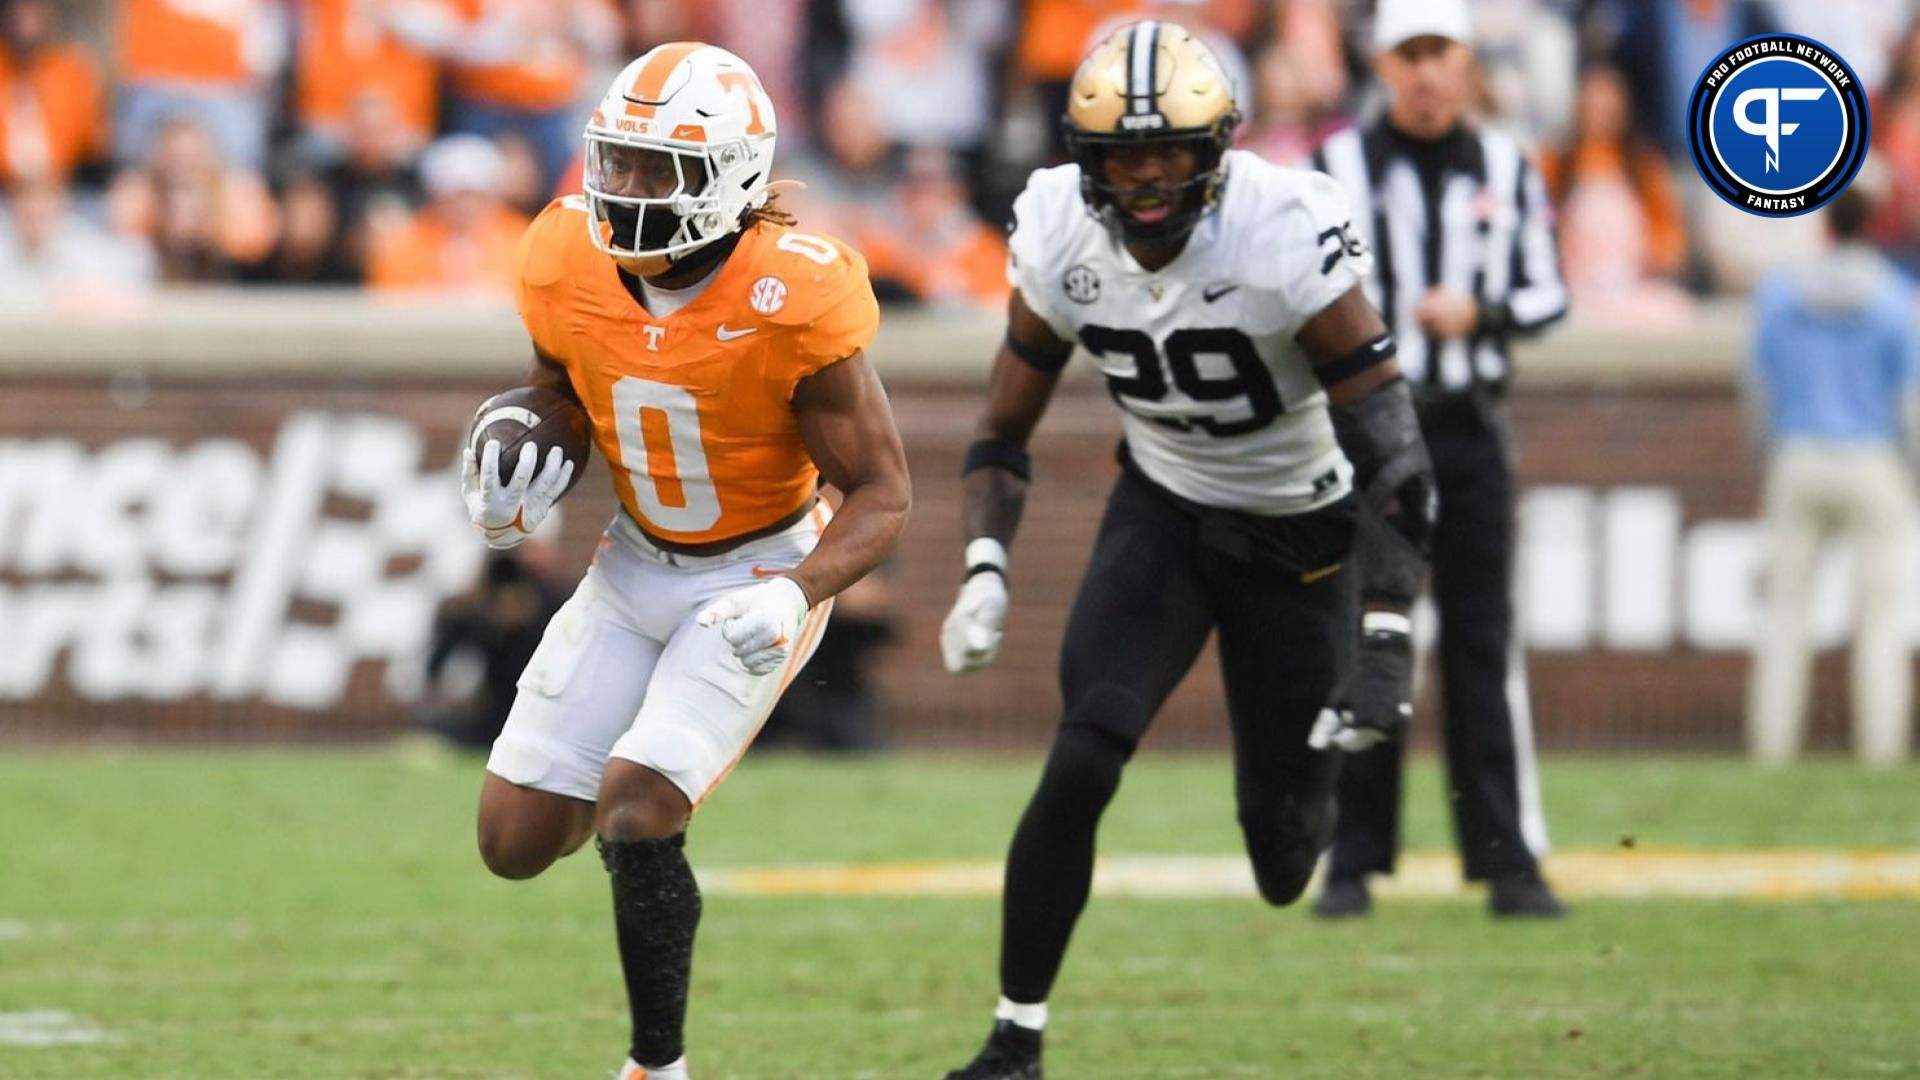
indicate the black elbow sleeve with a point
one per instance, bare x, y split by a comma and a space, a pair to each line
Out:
998, 454
1393, 475
1380, 431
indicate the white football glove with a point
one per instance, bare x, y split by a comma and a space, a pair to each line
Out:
970, 635
760, 622
508, 511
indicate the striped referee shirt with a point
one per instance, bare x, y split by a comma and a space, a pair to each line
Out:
1467, 212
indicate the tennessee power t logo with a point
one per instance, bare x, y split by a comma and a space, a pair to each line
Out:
1778, 125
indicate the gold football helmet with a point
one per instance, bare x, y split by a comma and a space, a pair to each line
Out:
1151, 82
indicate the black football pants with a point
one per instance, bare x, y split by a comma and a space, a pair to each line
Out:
1473, 589
1164, 574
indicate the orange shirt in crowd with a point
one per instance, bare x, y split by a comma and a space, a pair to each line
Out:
546, 71
52, 112
184, 41
1055, 34
425, 256
1234, 18
972, 267
346, 51
1645, 171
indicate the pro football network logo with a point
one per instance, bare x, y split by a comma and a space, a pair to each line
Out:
1778, 125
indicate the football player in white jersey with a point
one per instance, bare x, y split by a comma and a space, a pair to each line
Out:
1267, 434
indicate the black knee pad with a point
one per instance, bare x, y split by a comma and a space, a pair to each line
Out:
1111, 711
1088, 755
1285, 838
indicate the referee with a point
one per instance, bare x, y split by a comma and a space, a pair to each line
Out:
1464, 262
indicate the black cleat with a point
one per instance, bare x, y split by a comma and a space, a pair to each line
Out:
1012, 1053
1343, 898
1523, 894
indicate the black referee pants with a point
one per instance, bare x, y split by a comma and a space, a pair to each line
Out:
1473, 551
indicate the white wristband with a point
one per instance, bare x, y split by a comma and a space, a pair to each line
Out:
986, 551
1385, 622
801, 601
502, 539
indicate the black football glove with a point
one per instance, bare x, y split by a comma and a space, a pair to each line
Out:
1377, 702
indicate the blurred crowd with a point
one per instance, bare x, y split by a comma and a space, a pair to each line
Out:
402, 144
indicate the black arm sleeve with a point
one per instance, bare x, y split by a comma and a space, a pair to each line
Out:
1394, 477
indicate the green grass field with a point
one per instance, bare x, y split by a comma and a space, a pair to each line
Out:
288, 914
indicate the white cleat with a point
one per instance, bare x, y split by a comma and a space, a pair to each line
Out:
633, 1070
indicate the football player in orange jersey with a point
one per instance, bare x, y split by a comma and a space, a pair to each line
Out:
718, 353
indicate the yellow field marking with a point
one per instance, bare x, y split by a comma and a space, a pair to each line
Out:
1784, 874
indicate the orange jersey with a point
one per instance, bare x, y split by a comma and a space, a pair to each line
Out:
1055, 34
54, 116
969, 266
346, 51
546, 72
189, 42
426, 255
694, 412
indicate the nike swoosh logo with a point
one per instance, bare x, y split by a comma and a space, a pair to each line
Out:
725, 334
762, 571
1215, 292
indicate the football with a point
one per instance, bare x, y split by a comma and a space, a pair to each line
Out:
536, 414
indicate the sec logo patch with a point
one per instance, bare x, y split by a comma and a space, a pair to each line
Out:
1082, 285
1778, 125
769, 295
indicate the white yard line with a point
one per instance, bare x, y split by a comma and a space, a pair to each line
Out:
1776, 875
49, 1027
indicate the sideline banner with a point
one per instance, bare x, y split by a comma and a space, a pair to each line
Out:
243, 558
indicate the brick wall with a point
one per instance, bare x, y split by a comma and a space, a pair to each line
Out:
1687, 438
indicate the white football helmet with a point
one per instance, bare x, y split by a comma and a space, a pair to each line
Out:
678, 151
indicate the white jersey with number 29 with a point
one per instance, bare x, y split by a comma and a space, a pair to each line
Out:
1221, 406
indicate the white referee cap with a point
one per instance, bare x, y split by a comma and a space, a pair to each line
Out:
1396, 22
